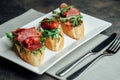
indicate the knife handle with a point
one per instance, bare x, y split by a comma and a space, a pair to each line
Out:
70, 66
78, 73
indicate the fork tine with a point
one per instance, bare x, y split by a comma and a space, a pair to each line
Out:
116, 43
113, 43
118, 46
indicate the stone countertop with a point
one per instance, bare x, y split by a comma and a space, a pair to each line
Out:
108, 10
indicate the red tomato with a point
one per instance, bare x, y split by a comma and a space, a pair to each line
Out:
45, 25
49, 25
53, 25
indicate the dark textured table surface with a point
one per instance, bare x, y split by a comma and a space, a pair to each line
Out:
108, 10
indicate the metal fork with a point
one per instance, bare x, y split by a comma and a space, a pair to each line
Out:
111, 50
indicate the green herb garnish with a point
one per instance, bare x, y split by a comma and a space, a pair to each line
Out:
65, 9
74, 20
56, 13
39, 29
48, 20
21, 49
42, 38
10, 36
54, 33
42, 48
39, 50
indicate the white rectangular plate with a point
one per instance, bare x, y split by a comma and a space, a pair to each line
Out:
93, 26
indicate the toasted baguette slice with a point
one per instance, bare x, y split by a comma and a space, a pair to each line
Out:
29, 57
76, 32
56, 44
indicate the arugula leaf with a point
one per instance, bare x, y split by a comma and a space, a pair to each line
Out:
39, 29
74, 20
39, 50
65, 9
63, 19
35, 52
54, 33
56, 13
10, 36
42, 48
42, 38
21, 49
78, 20
48, 20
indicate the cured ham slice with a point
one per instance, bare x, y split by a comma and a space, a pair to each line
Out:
73, 12
28, 38
32, 43
69, 11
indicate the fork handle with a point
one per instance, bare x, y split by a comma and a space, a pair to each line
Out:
77, 73
70, 66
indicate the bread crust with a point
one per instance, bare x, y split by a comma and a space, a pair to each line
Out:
56, 44
29, 57
76, 32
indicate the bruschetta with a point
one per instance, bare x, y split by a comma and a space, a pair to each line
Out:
71, 21
53, 33
28, 44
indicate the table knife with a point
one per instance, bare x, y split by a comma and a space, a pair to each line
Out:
98, 48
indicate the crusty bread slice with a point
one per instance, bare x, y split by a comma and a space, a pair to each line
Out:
56, 44
29, 57
76, 32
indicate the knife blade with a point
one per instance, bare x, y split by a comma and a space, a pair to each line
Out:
98, 48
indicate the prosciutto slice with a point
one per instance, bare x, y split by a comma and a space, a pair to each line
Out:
73, 12
28, 38
70, 12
